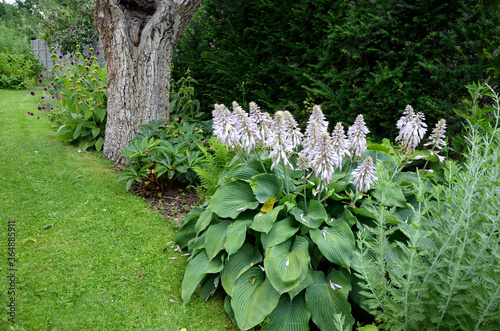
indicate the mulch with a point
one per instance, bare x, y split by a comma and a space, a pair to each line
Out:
173, 203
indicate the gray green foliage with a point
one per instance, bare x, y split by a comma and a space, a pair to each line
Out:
444, 273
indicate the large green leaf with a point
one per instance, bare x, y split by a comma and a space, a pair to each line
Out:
326, 297
281, 231
232, 198
336, 243
187, 232
215, 238
237, 264
305, 283
286, 264
235, 235
289, 315
394, 197
204, 220
196, 270
316, 214
254, 297
243, 172
264, 222
210, 287
266, 186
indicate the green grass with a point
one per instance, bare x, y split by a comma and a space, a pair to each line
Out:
89, 255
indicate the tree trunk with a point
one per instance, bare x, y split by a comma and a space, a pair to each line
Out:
139, 38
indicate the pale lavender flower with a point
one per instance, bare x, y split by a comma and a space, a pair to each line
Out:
437, 139
263, 120
283, 137
302, 162
223, 125
364, 176
412, 129
340, 142
407, 114
246, 133
324, 158
357, 136
316, 126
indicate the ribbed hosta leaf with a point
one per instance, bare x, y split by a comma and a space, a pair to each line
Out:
305, 283
316, 214
243, 172
237, 264
336, 243
196, 270
281, 231
232, 198
235, 236
215, 238
209, 287
254, 297
286, 264
326, 297
264, 222
266, 186
187, 231
289, 315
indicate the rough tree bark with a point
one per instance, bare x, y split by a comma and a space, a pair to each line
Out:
139, 38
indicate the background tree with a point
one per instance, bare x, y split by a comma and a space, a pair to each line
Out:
353, 57
139, 38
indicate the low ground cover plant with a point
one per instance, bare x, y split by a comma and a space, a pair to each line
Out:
279, 233
76, 100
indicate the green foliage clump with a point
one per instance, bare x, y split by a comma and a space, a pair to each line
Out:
279, 238
18, 70
183, 105
357, 56
77, 99
164, 156
440, 268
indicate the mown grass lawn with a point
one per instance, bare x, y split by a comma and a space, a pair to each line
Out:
89, 255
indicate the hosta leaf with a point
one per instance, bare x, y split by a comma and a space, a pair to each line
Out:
326, 297
286, 264
254, 297
305, 283
281, 231
204, 220
232, 198
215, 238
237, 264
394, 197
264, 222
235, 236
187, 232
196, 270
243, 172
316, 214
336, 243
266, 186
209, 287
229, 309
268, 205
289, 315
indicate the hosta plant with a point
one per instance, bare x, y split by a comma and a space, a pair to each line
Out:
279, 232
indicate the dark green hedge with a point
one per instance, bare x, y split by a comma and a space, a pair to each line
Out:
370, 57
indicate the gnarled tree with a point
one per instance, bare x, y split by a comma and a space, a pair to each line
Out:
139, 38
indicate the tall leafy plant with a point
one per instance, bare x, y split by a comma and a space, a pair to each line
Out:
443, 273
279, 232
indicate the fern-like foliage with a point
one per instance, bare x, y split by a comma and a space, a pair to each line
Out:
217, 159
444, 273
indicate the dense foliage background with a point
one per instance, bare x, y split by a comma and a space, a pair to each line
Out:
370, 57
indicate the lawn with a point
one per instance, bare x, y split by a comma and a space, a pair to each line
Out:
88, 254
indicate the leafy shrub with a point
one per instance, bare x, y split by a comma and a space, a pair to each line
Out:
279, 232
182, 102
18, 70
162, 156
12, 41
440, 268
76, 101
